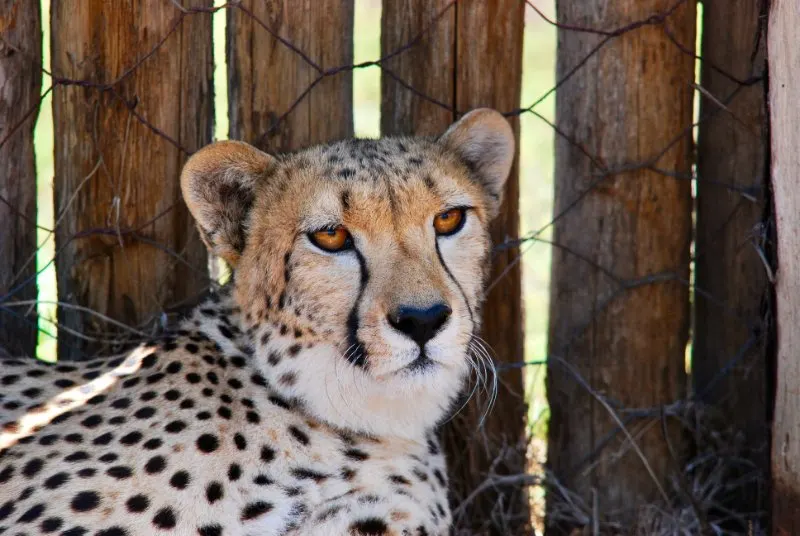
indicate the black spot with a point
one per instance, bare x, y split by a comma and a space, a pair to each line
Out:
87, 472
191, 348
80, 531
440, 478
280, 402
238, 361
56, 480
103, 439
193, 377
7, 509
253, 417
371, 526
32, 392
119, 419
267, 454
111, 531
398, 479
187, 403
147, 396
156, 464
91, 374
225, 331
203, 415
63, 383
347, 473
212, 377
175, 427
149, 361
152, 444
138, 503
121, 403
214, 492
32, 514
433, 448
294, 350
120, 472
299, 435
209, 530
207, 443
172, 395
153, 378
274, 358
77, 456
302, 473
131, 438
131, 382
263, 480
73, 438
108, 458
255, 509
165, 518
235, 383
92, 421
234, 472
180, 480
224, 412
32, 467
51, 524
240, 441
356, 454
85, 501
145, 412
97, 399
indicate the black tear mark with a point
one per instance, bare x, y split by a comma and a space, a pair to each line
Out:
453, 279
356, 353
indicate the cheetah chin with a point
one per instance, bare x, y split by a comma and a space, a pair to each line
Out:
304, 397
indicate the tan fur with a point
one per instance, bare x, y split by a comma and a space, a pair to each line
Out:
292, 403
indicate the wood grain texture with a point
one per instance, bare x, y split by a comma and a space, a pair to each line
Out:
630, 103
267, 80
471, 57
784, 94
732, 157
20, 85
113, 173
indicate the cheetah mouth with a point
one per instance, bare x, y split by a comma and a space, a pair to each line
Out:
421, 363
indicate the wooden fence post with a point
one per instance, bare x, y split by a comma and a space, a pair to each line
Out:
21, 80
127, 247
267, 80
784, 94
731, 167
619, 310
470, 56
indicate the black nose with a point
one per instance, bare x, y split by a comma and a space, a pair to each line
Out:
421, 325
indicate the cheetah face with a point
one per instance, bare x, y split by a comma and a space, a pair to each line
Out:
359, 266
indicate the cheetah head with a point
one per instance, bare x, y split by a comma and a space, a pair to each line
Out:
359, 266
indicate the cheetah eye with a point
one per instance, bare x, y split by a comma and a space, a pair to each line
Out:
332, 239
450, 222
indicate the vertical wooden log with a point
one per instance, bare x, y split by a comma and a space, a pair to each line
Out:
127, 245
630, 103
267, 80
471, 57
20, 84
730, 204
784, 94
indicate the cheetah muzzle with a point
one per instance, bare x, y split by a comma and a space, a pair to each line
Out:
303, 398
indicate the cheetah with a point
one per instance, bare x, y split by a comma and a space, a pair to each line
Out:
303, 398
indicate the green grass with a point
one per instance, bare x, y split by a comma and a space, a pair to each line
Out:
536, 166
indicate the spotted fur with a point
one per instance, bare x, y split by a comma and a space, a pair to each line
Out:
290, 403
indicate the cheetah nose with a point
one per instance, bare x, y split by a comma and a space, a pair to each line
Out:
421, 325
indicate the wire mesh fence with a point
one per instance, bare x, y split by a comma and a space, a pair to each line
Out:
660, 306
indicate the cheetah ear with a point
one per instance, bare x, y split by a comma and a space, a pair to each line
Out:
484, 141
219, 185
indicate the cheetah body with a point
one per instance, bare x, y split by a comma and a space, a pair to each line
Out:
295, 401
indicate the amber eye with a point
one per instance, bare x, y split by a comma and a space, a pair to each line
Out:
332, 239
449, 222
